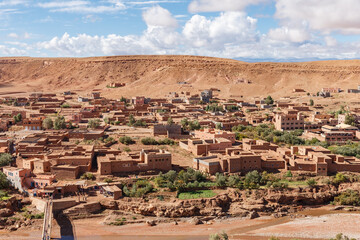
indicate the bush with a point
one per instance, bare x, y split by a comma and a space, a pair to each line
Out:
220, 180
311, 182
152, 141
340, 236
93, 123
219, 236
59, 123
350, 197
5, 159
88, 176
252, 180
288, 174
48, 123
127, 149
126, 140
149, 141
4, 182
138, 189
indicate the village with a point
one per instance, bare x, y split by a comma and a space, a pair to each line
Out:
79, 149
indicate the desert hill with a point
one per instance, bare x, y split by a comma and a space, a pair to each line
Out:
156, 76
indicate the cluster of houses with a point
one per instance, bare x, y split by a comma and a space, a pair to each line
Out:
50, 160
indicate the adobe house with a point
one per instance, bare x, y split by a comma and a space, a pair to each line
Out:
146, 160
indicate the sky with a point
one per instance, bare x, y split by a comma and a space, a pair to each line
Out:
250, 30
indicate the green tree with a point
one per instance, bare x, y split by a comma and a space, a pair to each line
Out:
48, 123
340, 236
350, 119
5, 159
219, 126
126, 140
132, 120
17, 118
269, 100
4, 182
59, 123
311, 102
170, 121
94, 123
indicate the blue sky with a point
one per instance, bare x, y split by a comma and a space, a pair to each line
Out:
251, 30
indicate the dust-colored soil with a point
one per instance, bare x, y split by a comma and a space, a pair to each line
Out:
156, 76
319, 224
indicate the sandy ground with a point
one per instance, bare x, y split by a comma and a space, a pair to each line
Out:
309, 227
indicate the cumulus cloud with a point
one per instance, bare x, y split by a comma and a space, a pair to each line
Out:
221, 5
159, 17
322, 15
286, 34
228, 28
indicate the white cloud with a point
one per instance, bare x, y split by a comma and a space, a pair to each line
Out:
80, 6
11, 51
286, 34
322, 15
159, 17
221, 5
13, 35
228, 28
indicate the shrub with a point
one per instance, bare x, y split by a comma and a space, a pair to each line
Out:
219, 236
350, 197
48, 123
288, 174
149, 141
127, 149
311, 182
340, 236
252, 180
5, 159
88, 176
220, 180
93, 123
4, 182
59, 123
126, 140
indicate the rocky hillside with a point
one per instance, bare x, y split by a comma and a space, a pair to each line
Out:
157, 75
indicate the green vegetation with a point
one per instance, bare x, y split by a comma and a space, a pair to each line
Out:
135, 123
5, 159
48, 123
4, 196
268, 133
4, 182
138, 189
152, 141
108, 180
350, 119
183, 181
109, 140
65, 105
88, 176
170, 121
349, 197
127, 149
190, 125
311, 102
311, 182
93, 123
197, 194
219, 236
350, 149
59, 123
340, 236
29, 215
269, 100
214, 107
126, 140
232, 108
17, 118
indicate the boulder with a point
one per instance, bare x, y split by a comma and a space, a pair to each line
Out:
5, 212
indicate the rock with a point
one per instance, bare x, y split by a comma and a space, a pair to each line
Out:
338, 208
151, 223
5, 212
195, 221
109, 204
253, 215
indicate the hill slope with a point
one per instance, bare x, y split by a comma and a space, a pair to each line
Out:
157, 75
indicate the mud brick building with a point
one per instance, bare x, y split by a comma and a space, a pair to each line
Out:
146, 160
